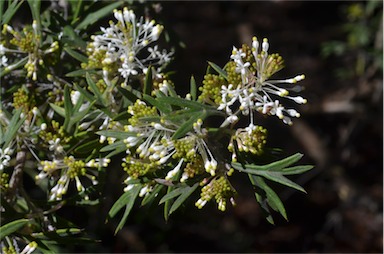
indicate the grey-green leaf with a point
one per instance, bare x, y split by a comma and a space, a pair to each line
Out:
95, 16
218, 69
180, 200
11, 227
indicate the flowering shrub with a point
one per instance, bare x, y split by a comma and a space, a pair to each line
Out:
77, 104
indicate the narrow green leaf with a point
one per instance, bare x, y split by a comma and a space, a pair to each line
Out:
148, 82
13, 127
128, 207
163, 107
180, 200
296, 170
272, 198
94, 88
172, 194
79, 73
87, 147
4, 71
78, 56
274, 166
12, 8
114, 146
279, 178
64, 232
76, 8
127, 94
34, 5
127, 198
152, 195
95, 16
1, 10
11, 227
193, 88
118, 150
79, 115
183, 103
86, 94
116, 134
261, 199
219, 70
67, 107
59, 110
188, 125
71, 38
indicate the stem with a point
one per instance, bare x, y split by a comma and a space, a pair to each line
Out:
17, 176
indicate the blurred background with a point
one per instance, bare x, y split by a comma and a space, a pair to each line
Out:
338, 46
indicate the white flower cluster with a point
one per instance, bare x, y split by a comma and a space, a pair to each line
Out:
256, 91
154, 141
124, 43
70, 169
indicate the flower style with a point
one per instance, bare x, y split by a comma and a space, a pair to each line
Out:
256, 91
121, 46
69, 169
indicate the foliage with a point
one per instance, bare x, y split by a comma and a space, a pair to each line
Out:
79, 102
362, 32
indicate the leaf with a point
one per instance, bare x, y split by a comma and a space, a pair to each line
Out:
80, 57
219, 70
76, 7
128, 198
279, 178
163, 107
70, 37
94, 88
97, 15
170, 195
274, 166
148, 82
183, 103
80, 115
87, 147
22, 62
127, 94
193, 88
272, 198
296, 170
152, 195
188, 125
68, 108
78, 73
180, 200
57, 109
86, 94
113, 146
13, 6
116, 134
128, 201
11, 227
13, 127
34, 5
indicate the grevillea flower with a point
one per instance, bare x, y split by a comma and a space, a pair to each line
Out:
126, 44
256, 91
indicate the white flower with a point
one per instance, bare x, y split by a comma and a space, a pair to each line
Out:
4, 61
124, 43
5, 157
256, 90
